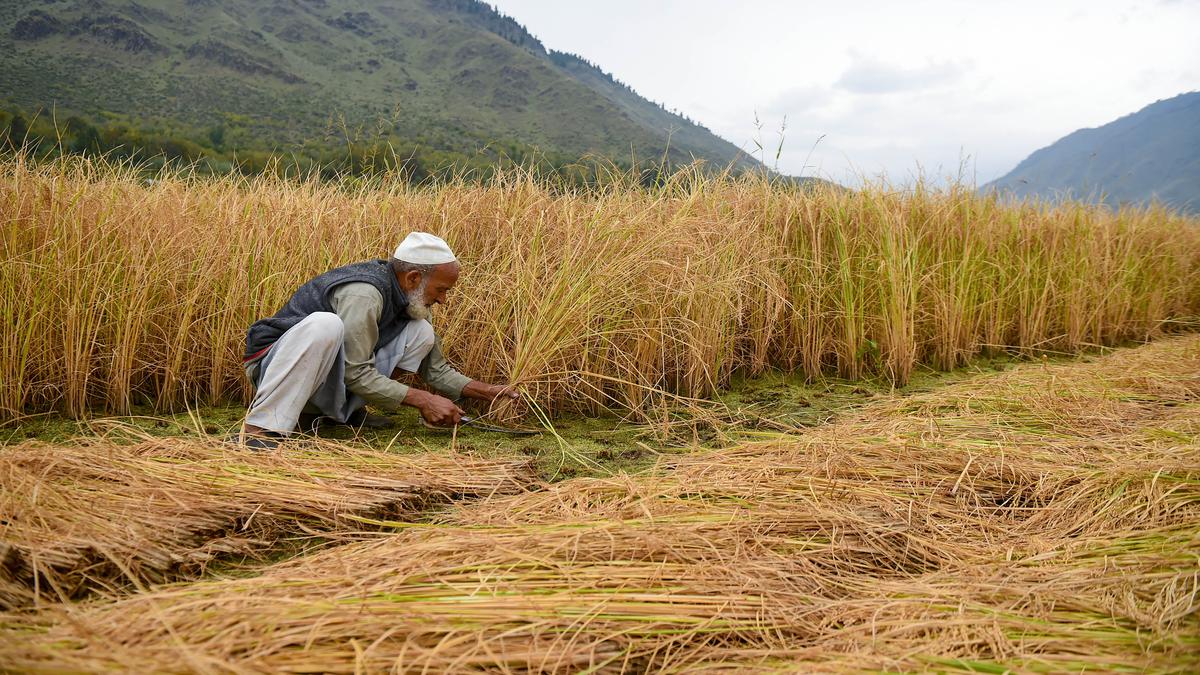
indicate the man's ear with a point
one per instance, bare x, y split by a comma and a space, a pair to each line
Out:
410, 280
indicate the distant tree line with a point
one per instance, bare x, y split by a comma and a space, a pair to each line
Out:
223, 149
504, 26
569, 61
495, 21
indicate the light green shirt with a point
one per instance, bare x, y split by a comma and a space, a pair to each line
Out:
359, 306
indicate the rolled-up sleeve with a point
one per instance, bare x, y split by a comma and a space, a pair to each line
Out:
359, 306
437, 373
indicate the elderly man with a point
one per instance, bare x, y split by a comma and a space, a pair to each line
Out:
344, 336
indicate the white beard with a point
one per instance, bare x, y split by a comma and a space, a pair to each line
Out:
417, 309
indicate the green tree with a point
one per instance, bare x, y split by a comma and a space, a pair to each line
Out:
18, 130
85, 137
216, 136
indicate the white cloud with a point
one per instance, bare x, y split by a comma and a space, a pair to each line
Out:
870, 75
808, 98
890, 86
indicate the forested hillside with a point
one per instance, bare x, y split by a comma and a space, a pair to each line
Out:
418, 82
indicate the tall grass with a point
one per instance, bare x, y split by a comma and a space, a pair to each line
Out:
116, 290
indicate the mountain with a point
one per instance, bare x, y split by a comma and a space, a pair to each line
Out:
1153, 153
452, 75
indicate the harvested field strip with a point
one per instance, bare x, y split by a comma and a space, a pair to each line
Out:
101, 515
882, 542
1024, 445
1132, 406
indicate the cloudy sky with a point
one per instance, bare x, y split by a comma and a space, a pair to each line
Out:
886, 87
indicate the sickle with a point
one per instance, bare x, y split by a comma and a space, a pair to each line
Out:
474, 423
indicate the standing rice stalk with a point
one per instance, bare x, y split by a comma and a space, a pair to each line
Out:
118, 292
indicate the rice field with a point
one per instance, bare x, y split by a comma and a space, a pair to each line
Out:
121, 292
1044, 517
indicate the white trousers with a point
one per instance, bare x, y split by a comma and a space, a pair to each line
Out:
306, 368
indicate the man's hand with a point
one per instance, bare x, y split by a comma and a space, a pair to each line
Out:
435, 409
489, 392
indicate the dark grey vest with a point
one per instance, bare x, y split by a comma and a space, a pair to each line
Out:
314, 297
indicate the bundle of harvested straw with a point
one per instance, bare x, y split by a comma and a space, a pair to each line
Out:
666, 595
102, 515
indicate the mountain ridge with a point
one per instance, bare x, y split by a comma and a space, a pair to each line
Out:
1152, 154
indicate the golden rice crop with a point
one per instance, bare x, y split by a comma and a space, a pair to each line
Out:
1059, 533
116, 291
104, 516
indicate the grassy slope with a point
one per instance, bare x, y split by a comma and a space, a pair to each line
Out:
290, 71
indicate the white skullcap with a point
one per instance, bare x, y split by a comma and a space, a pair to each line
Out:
422, 248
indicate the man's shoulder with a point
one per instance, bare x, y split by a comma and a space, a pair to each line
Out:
356, 290
370, 271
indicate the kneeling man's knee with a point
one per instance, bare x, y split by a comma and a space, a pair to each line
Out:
325, 328
422, 332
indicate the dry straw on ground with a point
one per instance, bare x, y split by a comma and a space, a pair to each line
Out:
1046, 519
102, 516
120, 292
